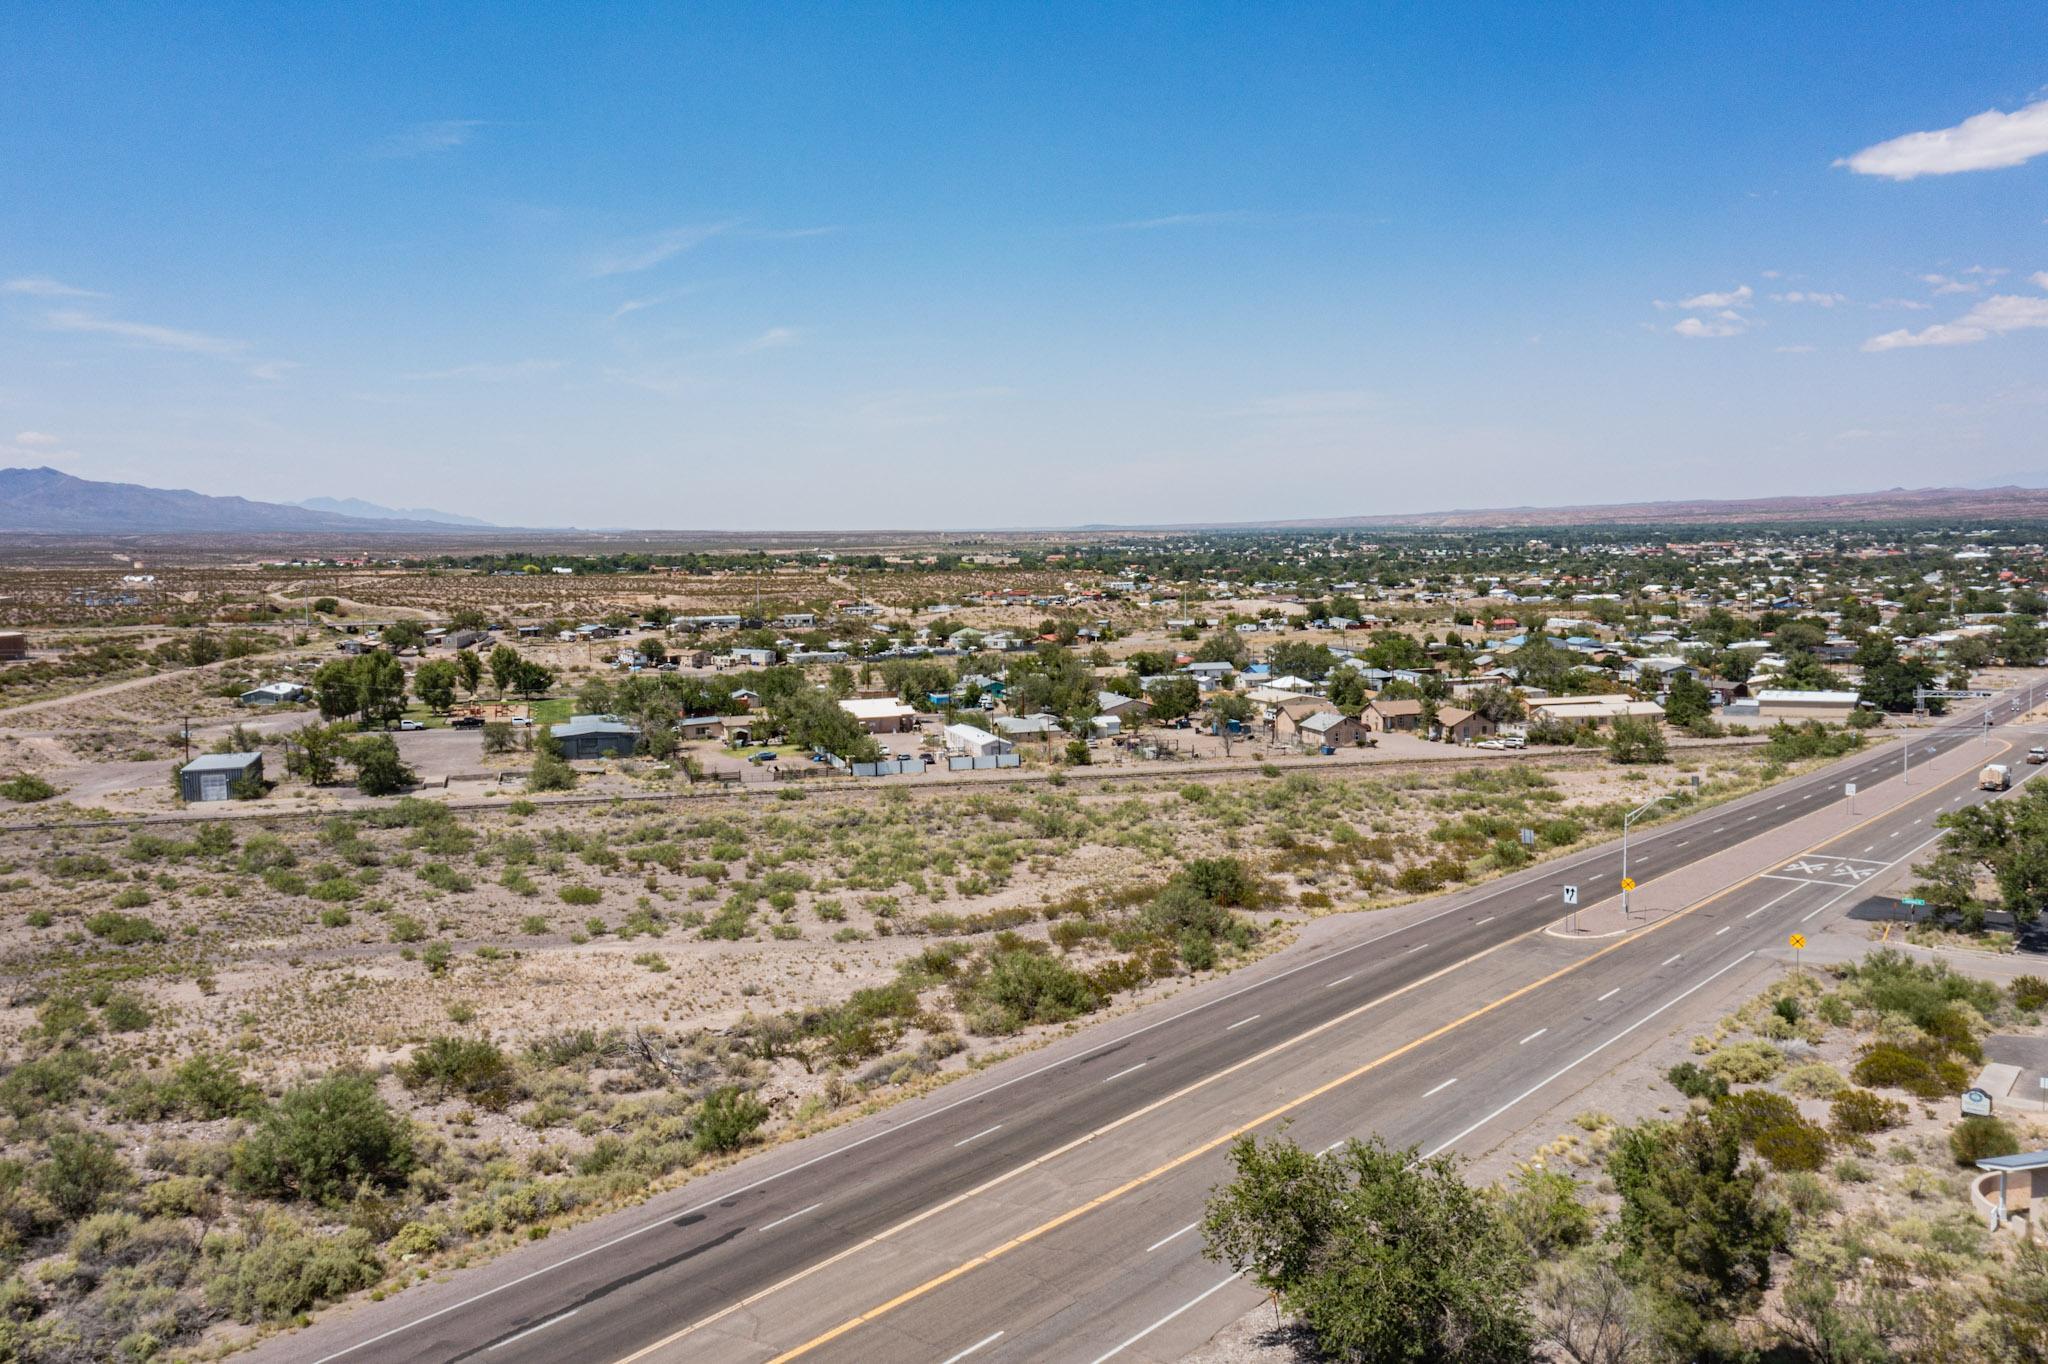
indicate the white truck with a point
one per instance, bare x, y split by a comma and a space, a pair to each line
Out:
1996, 777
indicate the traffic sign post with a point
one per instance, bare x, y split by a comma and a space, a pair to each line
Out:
1849, 790
1571, 899
1798, 941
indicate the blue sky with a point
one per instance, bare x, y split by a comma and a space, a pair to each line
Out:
977, 265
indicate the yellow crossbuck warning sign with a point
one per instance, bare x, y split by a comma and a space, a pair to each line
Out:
1798, 941
1628, 883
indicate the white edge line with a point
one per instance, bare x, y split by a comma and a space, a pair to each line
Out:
792, 1217
532, 1329
985, 1340
1189, 1305
1572, 1065
1826, 777
1171, 1236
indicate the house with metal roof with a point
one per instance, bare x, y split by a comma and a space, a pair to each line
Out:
596, 736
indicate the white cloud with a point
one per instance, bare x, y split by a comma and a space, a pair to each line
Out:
143, 333
1940, 334
775, 338
1719, 325
36, 438
271, 371
1993, 316
1989, 141
486, 373
425, 139
1793, 350
1819, 300
644, 253
42, 286
1738, 297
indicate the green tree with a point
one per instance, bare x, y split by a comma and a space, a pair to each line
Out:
369, 686
471, 668
315, 752
530, 679
434, 682
380, 771
2004, 839
1636, 739
505, 663
403, 634
1224, 646
1688, 702
1382, 1256
2020, 642
1697, 1227
1174, 698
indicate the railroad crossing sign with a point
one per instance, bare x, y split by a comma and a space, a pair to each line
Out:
1628, 883
1571, 895
1798, 941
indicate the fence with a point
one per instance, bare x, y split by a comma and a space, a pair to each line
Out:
962, 762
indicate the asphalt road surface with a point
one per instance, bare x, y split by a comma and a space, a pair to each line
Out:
1045, 1209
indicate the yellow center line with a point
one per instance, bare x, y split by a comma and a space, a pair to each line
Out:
1195, 1153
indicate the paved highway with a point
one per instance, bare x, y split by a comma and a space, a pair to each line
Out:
1044, 1208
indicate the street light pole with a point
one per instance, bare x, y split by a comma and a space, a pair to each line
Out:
1627, 820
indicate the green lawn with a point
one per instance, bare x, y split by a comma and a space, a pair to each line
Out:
553, 711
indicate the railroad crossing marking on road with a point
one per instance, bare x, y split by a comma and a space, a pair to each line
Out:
1822, 870
1628, 883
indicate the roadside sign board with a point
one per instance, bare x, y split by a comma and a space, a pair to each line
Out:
1849, 789
1912, 902
1976, 1104
1528, 838
1798, 941
1571, 895
1628, 883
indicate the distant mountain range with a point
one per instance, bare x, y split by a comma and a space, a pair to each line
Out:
52, 502
370, 511
1992, 505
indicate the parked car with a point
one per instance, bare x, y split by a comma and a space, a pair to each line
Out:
412, 724
467, 722
521, 720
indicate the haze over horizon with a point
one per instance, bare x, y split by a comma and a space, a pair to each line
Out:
920, 268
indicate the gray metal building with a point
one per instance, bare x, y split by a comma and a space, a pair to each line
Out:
596, 736
212, 776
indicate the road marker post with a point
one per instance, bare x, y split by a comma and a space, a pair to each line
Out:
1571, 898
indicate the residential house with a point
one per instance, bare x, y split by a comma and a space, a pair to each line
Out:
1391, 717
881, 715
1456, 725
274, 694
1330, 729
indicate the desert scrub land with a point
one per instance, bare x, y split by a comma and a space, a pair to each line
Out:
1797, 1193
256, 1065
1839, 1090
